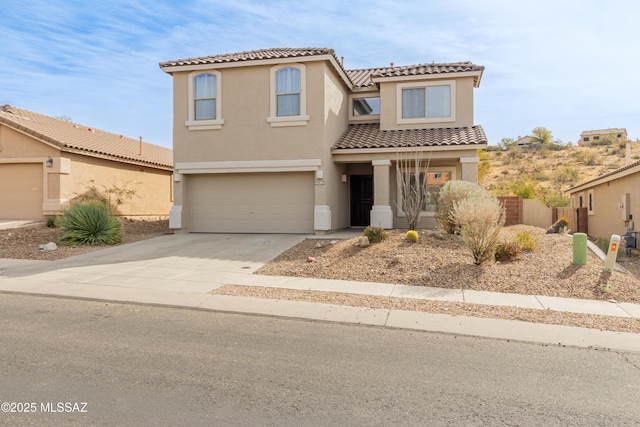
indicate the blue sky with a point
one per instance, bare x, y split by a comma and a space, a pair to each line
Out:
567, 65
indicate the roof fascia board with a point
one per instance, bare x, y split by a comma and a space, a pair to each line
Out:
452, 75
249, 166
257, 62
604, 180
405, 149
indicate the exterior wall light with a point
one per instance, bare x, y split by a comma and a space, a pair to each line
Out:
49, 162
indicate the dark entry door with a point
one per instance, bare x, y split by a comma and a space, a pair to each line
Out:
361, 199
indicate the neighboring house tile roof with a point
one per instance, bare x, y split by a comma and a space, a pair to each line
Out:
72, 137
605, 178
362, 78
369, 135
254, 55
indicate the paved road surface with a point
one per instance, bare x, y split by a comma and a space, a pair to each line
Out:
141, 365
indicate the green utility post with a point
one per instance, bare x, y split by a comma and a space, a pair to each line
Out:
580, 249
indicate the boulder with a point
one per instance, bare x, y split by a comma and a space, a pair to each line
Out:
48, 247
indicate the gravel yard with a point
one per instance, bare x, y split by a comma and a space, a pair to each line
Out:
445, 262
23, 242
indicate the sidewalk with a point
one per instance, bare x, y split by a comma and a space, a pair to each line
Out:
155, 272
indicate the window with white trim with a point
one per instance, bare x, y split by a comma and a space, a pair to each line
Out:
288, 96
205, 108
435, 180
421, 102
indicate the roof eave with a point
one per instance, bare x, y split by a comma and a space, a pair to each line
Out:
398, 149
170, 69
435, 76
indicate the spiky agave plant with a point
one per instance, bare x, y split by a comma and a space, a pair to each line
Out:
90, 224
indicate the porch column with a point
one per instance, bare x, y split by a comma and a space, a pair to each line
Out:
470, 168
381, 214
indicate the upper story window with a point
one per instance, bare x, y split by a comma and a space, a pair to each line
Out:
288, 96
426, 102
204, 97
205, 107
364, 107
288, 92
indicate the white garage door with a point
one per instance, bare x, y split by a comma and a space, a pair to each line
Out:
252, 202
20, 191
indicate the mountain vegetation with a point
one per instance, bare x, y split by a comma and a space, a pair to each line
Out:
545, 168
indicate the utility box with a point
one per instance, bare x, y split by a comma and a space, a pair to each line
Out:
612, 254
580, 249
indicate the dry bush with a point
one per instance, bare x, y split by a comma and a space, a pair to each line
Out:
480, 220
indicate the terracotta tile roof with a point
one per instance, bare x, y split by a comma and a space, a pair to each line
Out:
359, 78
254, 55
369, 135
609, 176
364, 78
73, 137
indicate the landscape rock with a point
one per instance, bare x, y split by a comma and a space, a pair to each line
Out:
363, 241
51, 246
311, 259
397, 259
319, 245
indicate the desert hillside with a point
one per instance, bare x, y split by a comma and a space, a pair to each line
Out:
546, 171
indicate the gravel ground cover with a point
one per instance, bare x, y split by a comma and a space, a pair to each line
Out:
439, 260
24, 242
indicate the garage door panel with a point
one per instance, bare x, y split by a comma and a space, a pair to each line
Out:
21, 193
252, 203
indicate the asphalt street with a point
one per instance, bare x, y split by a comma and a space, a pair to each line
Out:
142, 365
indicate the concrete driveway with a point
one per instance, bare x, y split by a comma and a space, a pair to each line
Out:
179, 258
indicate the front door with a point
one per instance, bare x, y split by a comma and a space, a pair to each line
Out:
361, 200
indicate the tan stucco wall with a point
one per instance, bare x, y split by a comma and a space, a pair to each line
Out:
246, 134
607, 218
464, 105
14, 144
152, 187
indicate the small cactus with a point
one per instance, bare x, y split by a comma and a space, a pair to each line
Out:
412, 236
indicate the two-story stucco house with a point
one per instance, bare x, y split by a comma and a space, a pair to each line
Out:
289, 141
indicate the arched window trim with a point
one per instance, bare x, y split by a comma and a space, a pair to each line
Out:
216, 123
300, 120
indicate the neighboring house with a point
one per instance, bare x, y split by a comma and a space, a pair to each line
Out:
613, 135
45, 162
524, 141
289, 141
612, 200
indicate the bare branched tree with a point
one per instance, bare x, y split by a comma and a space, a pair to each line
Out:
410, 168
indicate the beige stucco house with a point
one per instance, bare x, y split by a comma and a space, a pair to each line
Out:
588, 137
46, 162
289, 141
612, 201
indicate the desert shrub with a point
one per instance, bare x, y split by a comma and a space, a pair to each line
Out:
589, 158
52, 221
90, 224
450, 193
375, 234
412, 236
480, 219
507, 251
526, 241
556, 199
